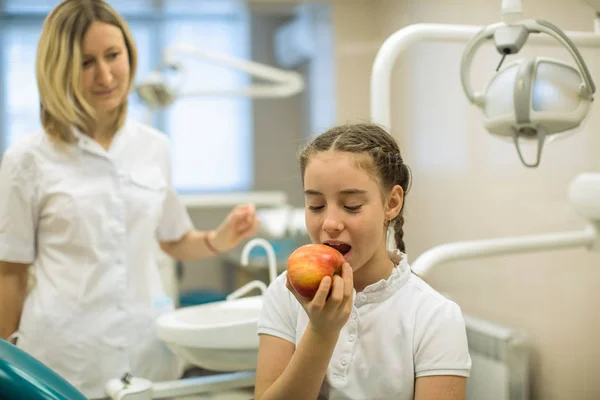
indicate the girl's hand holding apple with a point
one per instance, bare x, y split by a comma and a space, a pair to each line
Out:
328, 310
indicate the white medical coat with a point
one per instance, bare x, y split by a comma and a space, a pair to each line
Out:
88, 220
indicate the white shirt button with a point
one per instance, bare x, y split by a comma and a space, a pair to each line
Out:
351, 338
344, 361
362, 297
353, 316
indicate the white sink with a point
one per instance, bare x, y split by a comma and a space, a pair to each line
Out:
220, 336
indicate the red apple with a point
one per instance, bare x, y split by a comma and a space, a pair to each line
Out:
309, 264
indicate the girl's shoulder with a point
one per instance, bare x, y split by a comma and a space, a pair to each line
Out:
425, 299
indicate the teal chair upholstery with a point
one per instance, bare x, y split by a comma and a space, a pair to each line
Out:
24, 377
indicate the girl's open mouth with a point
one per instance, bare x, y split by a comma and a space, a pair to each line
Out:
343, 248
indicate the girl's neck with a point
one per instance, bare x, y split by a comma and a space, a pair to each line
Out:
379, 267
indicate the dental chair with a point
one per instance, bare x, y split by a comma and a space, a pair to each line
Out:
24, 377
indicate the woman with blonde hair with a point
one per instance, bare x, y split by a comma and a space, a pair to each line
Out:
83, 202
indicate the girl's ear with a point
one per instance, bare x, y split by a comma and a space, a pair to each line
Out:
394, 202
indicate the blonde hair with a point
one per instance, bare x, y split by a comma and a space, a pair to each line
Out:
59, 66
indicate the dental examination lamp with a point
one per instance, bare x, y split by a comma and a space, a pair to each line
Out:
156, 92
534, 97
529, 99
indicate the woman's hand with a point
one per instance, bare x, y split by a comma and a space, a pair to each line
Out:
240, 224
328, 311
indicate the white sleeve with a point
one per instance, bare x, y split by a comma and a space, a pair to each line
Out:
175, 220
279, 311
441, 346
18, 213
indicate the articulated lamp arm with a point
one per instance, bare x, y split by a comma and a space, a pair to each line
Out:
155, 91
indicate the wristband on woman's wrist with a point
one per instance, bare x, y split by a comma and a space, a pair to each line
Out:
209, 245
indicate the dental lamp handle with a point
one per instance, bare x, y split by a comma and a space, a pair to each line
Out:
487, 32
467, 60
568, 43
